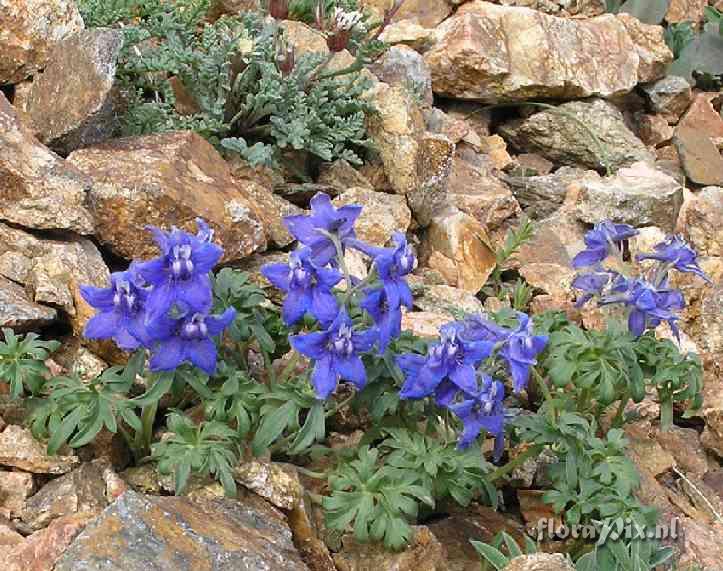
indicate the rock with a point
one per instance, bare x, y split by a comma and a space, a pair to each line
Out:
540, 562
15, 489
587, 8
383, 214
37, 188
343, 176
433, 168
684, 444
557, 240
20, 450
41, 550
701, 161
425, 553
421, 12
164, 180
8, 538
653, 130
702, 116
408, 33
57, 270
440, 299
496, 53
271, 210
649, 41
669, 96
81, 491
150, 533
476, 523
701, 221
475, 190
701, 544
424, 323
563, 140
495, 148
28, 31
542, 196
530, 164
685, 11
395, 130
404, 67
19, 312
456, 245
277, 483
72, 104
552, 279
305, 39
638, 195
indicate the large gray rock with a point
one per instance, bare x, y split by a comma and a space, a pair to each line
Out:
638, 195
71, 105
37, 188
19, 312
151, 533
403, 66
28, 31
701, 221
559, 137
669, 96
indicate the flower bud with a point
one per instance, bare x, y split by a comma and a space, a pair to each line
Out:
279, 9
285, 58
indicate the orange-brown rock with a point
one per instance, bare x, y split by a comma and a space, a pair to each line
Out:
426, 13
73, 103
685, 11
703, 117
701, 221
383, 214
166, 180
649, 41
28, 31
496, 53
37, 188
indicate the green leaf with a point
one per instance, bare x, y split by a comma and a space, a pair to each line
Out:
66, 428
313, 430
273, 426
493, 556
157, 390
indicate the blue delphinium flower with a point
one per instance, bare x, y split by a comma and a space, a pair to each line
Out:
180, 275
676, 253
187, 339
393, 265
649, 305
448, 367
592, 284
314, 230
336, 352
387, 318
599, 240
482, 410
518, 347
308, 287
121, 311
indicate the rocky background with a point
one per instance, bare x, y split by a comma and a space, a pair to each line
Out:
450, 170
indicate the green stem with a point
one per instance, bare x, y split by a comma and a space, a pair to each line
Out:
551, 410
312, 474
148, 419
618, 419
518, 461
666, 415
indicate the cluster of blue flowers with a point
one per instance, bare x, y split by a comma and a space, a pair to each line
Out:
648, 297
450, 372
163, 304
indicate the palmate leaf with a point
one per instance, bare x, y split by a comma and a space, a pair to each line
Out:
22, 362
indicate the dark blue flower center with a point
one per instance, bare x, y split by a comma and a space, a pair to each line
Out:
125, 297
342, 345
299, 276
181, 262
195, 327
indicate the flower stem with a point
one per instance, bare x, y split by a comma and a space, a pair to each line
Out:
666, 415
312, 474
552, 411
516, 462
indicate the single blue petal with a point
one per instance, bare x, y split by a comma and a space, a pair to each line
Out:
217, 323
202, 353
312, 345
196, 293
205, 257
99, 298
351, 369
636, 322
168, 355
296, 304
589, 258
324, 378
103, 326
464, 377
324, 305
277, 274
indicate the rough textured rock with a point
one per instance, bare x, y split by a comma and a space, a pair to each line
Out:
638, 195
20, 450
164, 180
701, 221
653, 130
19, 312
542, 196
685, 11
28, 31
587, 8
410, 34
669, 96
703, 117
421, 12
649, 41
15, 488
403, 66
396, 130
343, 176
37, 188
441, 299
424, 323
540, 562
425, 553
561, 139
701, 161
147, 533
271, 210
277, 483
55, 270
497, 53
383, 214
433, 168
71, 105
456, 245
41, 550
81, 491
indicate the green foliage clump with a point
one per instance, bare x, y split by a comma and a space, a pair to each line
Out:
22, 362
248, 95
700, 60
